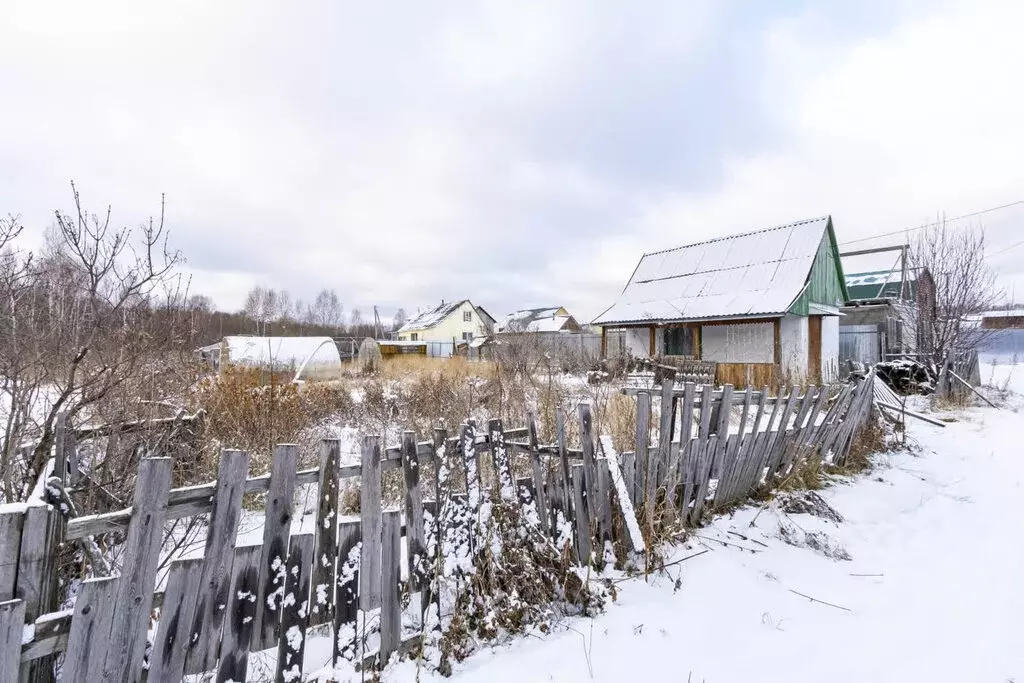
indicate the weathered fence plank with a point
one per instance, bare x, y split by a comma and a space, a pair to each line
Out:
326, 535
133, 595
563, 457
291, 647
391, 604
35, 562
346, 615
370, 530
589, 467
709, 449
276, 530
219, 554
603, 503
665, 425
622, 493
10, 545
706, 396
644, 491
540, 495
12, 625
582, 525
241, 615
416, 533
90, 629
499, 459
167, 664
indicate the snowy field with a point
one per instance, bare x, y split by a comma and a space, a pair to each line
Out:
932, 591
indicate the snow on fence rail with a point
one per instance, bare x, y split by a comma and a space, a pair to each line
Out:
234, 600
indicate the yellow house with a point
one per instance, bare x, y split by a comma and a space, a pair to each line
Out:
445, 327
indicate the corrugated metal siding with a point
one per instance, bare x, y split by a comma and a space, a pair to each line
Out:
759, 273
825, 284
861, 343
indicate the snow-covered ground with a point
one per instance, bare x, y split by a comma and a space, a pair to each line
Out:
932, 591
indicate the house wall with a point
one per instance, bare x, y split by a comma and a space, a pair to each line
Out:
451, 327
829, 348
793, 338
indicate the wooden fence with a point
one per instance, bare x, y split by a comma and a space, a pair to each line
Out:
234, 600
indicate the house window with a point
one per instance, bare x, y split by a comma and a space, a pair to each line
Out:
467, 337
678, 341
415, 336
467, 316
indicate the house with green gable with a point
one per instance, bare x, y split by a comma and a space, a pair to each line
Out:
763, 305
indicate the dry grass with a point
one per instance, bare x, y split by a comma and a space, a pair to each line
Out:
251, 410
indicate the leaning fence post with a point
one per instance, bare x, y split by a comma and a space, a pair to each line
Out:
665, 426
582, 525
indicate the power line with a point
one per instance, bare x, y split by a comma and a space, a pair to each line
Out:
945, 220
1004, 249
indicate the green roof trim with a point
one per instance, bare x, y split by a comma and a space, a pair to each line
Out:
826, 284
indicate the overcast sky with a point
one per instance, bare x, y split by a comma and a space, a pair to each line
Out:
518, 153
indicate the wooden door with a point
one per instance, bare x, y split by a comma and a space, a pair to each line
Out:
814, 348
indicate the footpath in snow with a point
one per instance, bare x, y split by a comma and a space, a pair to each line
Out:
932, 590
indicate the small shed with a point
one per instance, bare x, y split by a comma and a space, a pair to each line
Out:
763, 305
887, 314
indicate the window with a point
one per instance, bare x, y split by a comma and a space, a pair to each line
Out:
415, 336
678, 341
467, 316
467, 337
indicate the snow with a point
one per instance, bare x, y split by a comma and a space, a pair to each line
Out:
930, 592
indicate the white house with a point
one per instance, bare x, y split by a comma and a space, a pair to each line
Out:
539, 320
446, 326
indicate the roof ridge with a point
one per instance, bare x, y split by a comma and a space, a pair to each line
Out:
742, 234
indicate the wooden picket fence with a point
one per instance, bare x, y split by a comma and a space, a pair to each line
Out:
234, 600
707, 457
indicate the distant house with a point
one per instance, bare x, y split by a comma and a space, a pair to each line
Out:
1010, 319
311, 355
553, 319
887, 313
447, 326
763, 305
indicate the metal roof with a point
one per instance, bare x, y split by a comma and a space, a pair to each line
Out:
537, 320
432, 317
879, 284
749, 275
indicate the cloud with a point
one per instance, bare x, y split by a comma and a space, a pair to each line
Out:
516, 153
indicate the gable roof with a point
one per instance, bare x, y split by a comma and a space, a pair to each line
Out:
432, 317
753, 274
487, 317
550, 319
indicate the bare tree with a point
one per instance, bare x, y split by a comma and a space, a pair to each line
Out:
254, 302
356, 320
326, 309
91, 314
399, 319
964, 287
